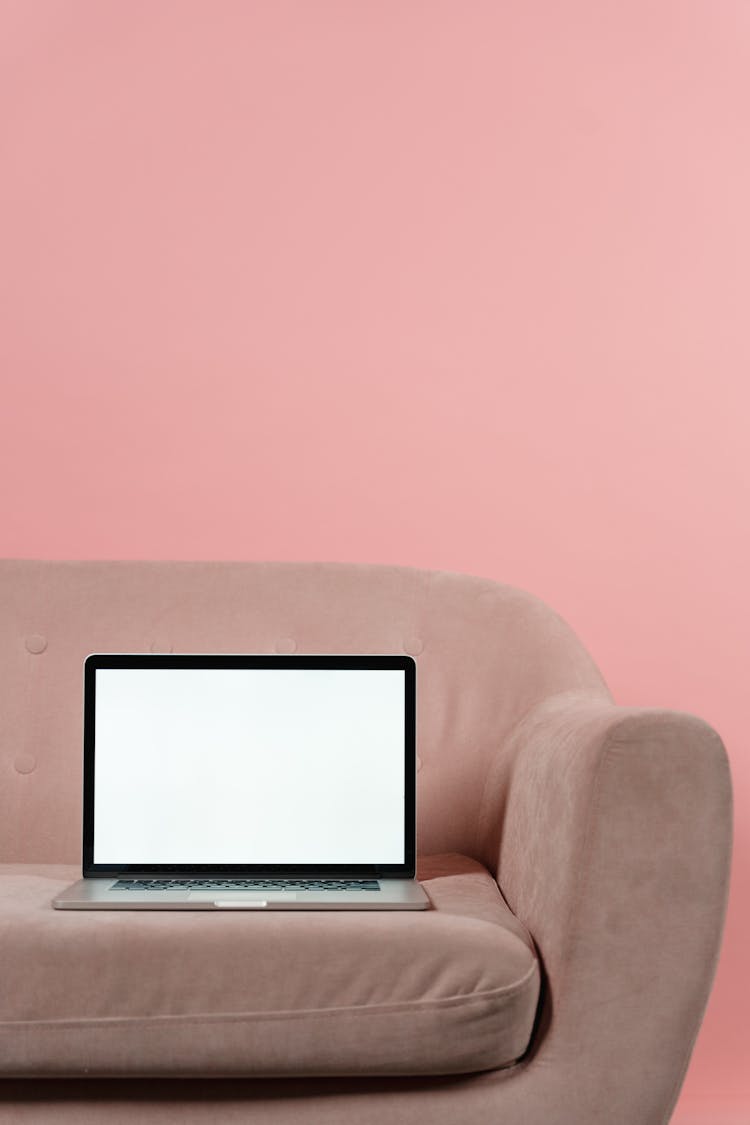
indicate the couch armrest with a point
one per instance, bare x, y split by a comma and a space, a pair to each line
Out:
615, 852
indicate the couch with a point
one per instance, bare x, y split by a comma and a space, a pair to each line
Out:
576, 854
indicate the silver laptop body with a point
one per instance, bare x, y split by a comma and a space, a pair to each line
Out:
227, 782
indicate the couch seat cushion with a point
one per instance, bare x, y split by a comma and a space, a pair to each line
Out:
444, 991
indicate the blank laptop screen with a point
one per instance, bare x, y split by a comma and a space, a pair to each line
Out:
249, 766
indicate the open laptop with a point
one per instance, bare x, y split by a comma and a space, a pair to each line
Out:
248, 782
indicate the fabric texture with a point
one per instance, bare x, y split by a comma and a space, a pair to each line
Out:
607, 829
486, 653
144, 993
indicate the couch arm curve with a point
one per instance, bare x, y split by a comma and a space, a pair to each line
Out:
615, 851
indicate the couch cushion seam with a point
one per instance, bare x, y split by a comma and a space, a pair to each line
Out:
416, 1006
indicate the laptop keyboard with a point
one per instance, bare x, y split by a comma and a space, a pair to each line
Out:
246, 885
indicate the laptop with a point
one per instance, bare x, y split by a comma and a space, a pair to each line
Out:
248, 783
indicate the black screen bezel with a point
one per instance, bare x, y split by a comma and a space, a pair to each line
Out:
407, 869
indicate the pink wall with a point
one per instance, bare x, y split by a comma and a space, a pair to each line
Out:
457, 284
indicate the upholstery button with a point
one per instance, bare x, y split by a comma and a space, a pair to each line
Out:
25, 763
163, 647
419, 763
286, 646
413, 645
36, 643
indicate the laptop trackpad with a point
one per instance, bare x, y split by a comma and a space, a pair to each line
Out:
237, 899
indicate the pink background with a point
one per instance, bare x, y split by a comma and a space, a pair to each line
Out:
458, 285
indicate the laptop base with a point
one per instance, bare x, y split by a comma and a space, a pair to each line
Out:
97, 894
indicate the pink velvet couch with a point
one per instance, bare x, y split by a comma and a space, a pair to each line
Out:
576, 854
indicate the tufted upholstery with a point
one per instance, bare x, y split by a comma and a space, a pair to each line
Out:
486, 653
606, 831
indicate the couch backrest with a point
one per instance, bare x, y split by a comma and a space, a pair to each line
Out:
485, 654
